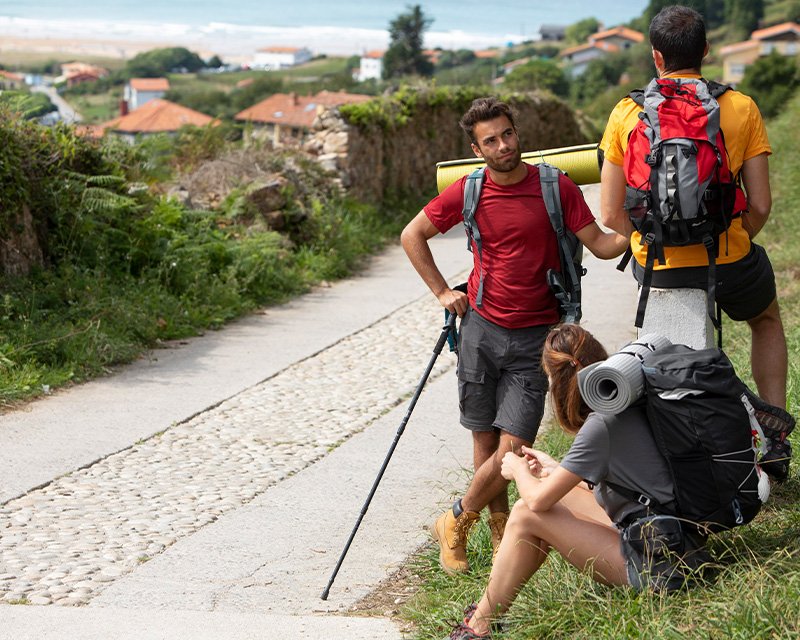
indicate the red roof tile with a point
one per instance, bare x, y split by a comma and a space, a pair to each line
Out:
294, 110
11, 76
776, 30
617, 32
149, 84
158, 116
739, 46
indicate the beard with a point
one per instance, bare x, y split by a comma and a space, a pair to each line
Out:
505, 165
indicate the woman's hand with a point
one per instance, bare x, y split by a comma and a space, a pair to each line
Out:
513, 463
541, 465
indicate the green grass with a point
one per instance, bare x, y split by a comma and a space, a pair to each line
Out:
756, 590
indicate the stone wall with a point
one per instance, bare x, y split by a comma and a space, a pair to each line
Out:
374, 161
20, 249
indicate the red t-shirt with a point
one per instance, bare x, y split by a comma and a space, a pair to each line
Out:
519, 245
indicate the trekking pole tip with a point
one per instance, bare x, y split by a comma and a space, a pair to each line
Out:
325, 593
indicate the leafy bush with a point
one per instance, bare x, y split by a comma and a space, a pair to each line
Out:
159, 62
770, 81
538, 74
125, 267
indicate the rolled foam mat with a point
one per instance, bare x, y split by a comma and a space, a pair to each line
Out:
581, 163
613, 385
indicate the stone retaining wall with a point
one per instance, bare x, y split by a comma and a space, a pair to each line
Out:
374, 162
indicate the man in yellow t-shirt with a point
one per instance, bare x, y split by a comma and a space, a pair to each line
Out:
745, 287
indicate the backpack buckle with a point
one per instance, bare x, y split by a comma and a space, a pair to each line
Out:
649, 238
643, 500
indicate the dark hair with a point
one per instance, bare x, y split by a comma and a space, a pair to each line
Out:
481, 110
567, 349
679, 34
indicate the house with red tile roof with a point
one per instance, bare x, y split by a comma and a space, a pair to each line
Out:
140, 91
370, 66
274, 58
73, 73
10, 81
782, 38
156, 116
287, 115
599, 45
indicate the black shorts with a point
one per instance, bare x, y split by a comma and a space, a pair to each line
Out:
744, 288
501, 384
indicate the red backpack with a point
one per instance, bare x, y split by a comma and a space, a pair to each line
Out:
680, 189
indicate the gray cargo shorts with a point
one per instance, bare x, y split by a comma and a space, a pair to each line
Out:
501, 384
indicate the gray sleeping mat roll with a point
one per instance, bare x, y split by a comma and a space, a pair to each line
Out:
613, 385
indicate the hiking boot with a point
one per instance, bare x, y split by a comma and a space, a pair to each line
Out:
464, 632
451, 534
497, 527
775, 462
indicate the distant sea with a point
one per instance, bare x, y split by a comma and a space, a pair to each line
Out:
341, 27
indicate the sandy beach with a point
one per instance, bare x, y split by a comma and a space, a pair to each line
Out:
16, 47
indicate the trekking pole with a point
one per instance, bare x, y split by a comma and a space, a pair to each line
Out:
449, 326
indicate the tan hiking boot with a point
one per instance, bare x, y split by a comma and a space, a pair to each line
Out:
451, 534
497, 526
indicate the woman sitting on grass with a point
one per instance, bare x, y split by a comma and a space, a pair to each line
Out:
558, 510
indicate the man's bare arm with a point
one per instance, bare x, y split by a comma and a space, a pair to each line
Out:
612, 199
601, 244
415, 242
755, 176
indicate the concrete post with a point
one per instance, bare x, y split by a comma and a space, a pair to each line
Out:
681, 315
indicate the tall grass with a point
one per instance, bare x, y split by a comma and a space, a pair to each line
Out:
126, 269
755, 591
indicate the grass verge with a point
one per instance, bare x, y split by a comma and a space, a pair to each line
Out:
755, 591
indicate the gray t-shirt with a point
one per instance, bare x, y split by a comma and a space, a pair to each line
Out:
620, 449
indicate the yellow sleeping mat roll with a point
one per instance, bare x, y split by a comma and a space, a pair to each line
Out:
581, 163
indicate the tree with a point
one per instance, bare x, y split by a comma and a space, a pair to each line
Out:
538, 74
259, 89
579, 32
159, 62
215, 62
744, 15
450, 59
404, 55
770, 81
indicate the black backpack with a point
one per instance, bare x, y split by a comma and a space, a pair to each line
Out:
706, 426
565, 283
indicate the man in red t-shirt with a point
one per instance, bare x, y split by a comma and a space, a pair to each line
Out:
500, 380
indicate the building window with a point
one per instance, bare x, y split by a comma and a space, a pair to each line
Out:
737, 69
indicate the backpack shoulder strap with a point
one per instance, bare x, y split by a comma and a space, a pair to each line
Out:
637, 95
716, 89
472, 195
548, 178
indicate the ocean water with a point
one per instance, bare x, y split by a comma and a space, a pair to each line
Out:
325, 26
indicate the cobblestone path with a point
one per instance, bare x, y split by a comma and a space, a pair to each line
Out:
63, 543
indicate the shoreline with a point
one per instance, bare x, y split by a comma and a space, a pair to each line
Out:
232, 43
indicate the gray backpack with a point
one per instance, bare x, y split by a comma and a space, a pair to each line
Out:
565, 283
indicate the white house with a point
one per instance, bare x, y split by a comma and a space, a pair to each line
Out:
371, 66
140, 91
274, 58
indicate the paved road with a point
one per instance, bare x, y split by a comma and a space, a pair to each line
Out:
208, 489
65, 110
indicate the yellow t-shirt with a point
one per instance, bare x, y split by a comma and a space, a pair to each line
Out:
745, 138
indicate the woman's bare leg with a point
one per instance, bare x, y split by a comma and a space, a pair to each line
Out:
576, 527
